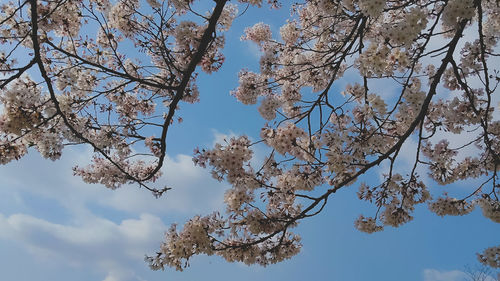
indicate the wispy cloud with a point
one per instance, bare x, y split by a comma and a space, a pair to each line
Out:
93, 243
194, 189
438, 275
104, 231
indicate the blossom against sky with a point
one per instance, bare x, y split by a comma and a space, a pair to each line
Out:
55, 227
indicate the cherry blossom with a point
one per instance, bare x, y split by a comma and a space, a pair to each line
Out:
321, 142
62, 85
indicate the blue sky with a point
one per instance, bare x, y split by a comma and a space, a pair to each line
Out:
55, 227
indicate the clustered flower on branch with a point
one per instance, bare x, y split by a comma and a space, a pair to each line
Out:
90, 89
322, 135
321, 141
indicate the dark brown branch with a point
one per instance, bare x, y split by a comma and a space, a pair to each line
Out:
205, 40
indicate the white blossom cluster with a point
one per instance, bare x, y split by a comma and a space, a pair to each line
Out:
227, 17
268, 107
450, 206
367, 225
227, 160
288, 139
290, 33
102, 5
491, 257
103, 172
373, 62
396, 198
406, 30
490, 208
121, 16
442, 161
193, 239
248, 90
456, 10
26, 111
180, 6
372, 8
21, 105
258, 33
65, 20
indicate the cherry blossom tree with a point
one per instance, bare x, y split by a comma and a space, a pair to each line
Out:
63, 85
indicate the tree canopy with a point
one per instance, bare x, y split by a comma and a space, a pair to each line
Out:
112, 74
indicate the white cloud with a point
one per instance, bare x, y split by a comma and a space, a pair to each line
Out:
457, 275
94, 242
437, 275
253, 49
120, 275
193, 188
105, 231
193, 191
222, 138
